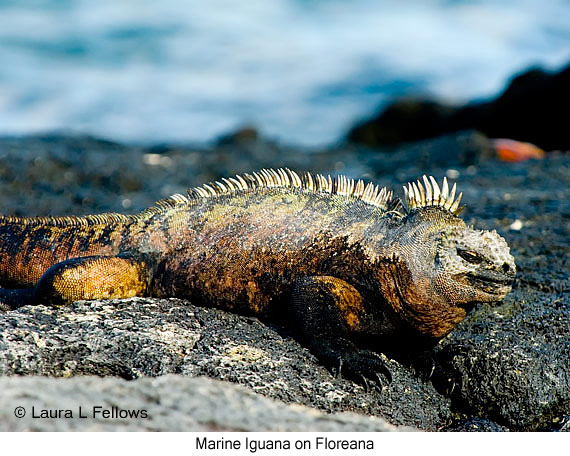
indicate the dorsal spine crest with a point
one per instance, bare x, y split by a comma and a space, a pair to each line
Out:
72, 220
428, 194
417, 195
286, 178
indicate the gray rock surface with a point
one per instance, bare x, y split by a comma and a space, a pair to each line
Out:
166, 403
507, 366
151, 337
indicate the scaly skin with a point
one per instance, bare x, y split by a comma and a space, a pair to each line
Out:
345, 260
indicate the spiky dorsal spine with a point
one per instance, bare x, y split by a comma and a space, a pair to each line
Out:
266, 178
108, 218
420, 195
286, 178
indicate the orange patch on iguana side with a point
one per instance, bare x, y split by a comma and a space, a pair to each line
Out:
101, 278
347, 299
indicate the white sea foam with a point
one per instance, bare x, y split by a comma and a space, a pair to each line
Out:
302, 71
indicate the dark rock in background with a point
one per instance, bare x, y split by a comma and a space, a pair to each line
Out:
532, 108
506, 366
245, 135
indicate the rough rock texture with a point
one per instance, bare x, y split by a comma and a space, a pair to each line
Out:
524, 341
151, 337
170, 403
507, 366
475, 425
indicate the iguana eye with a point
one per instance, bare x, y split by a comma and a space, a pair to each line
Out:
469, 256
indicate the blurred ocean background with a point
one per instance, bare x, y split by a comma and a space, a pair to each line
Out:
302, 71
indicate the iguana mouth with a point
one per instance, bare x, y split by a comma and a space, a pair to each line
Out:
495, 282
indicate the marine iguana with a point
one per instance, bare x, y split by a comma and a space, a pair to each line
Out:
350, 263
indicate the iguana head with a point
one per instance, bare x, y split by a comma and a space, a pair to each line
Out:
442, 267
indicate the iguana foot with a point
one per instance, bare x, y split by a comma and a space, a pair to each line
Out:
328, 311
365, 367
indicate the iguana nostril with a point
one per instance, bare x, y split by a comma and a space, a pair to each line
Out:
506, 267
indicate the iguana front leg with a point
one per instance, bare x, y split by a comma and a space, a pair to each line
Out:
330, 314
93, 277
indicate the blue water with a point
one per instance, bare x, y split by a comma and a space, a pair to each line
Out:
302, 71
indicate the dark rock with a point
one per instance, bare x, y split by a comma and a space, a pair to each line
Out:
462, 149
242, 135
406, 120
475, 425
503, 363
563, 425
530, 109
